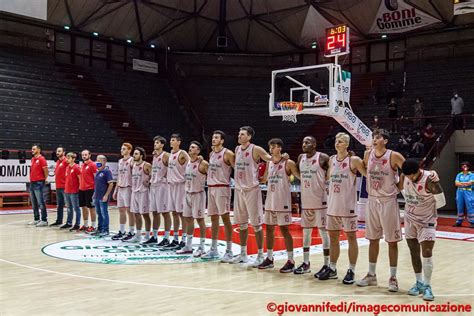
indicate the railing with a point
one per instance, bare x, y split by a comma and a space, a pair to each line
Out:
435, 150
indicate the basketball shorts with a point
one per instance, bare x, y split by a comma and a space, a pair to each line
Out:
218, 200
348, 224
195, 205
311, 218
414, 230
248, 205
176, 197
277, 218
85, 198
159, 198
124, 196
382, 219
140, 202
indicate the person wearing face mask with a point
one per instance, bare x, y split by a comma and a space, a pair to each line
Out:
457, 105
103, 186
418, 112
464, 197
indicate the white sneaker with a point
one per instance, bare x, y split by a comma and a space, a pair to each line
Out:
34, 222
239, 259
184, 251
135, 239
368, 280
198, 253
211, 254
258, 261
228, 256
42, 224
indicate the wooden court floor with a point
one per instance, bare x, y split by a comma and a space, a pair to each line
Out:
33, 283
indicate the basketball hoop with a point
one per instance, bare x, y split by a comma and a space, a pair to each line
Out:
290, 110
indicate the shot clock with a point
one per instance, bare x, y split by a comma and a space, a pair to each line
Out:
337, 41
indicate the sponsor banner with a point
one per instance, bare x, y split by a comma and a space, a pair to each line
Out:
463, 6
12, 170
344, 87
396, 16
144, 65
357, 128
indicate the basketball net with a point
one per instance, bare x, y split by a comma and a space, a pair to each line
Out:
289, 111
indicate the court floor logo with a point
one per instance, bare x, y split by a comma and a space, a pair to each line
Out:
107, 251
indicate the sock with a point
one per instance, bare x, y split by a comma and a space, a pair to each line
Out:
306, 257
419, 277
229, 245
393, 271
290, 255
147, 234
183, 238
332, 266
132, 229
175, 236
270, 254
260, 252
122, 228
372, 267
352, 267
427, 269
326, 260
86, 222
167, 234
243, 250
201, 244
155, 233
214, 244
189, 242
139, 233
93, 224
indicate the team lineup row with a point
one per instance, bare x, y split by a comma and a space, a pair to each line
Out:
172, 188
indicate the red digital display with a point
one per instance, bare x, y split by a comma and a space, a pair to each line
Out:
337, 41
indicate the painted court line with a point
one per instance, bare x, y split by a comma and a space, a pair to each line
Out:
212, 290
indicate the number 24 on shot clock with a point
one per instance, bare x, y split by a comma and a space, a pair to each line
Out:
337, 41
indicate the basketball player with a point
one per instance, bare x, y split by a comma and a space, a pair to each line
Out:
141, 171
159, 191
423, 197
313, 166
248, 197
176, 168
278, 203
86, 191
195, 203
123, 193
221, 161
382, 212
341, 206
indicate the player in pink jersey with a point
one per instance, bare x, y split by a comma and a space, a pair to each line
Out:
141, 171
423, 197
195, 204
159, 191
221, 161
247, 195
341, 206
382, 212
123, 193
313, 166
176, 168
278, 203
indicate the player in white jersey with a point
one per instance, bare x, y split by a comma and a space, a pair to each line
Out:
341, 206
423, 197
382, 213
221, 161
159, 191
123, 193
176, 199
195, 204
278, 203
247, 196
141, 171
313, 166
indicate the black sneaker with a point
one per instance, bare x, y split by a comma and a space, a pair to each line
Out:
164, 242
55, 224
171, 246
303, 268
266, 264
118, 236
181, 245
75, 228
96, 233
65, 226
288, 267
328, 274
321, 271
152, 240
349, 278
457, 224
128, 237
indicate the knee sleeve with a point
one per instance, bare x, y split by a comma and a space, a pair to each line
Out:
325, 237
243, 226
257, 228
